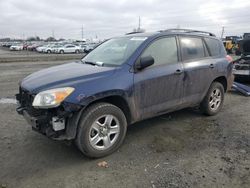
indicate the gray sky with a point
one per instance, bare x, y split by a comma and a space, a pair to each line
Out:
107, 18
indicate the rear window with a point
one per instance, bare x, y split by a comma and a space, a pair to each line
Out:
215, 47
191, 48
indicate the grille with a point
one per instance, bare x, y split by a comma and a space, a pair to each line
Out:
26, 100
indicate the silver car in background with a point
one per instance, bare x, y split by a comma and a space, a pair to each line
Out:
69, 48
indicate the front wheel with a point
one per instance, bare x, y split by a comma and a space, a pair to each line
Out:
101, 130
213, 101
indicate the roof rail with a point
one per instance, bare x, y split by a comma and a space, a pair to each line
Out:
134, 32
187, 31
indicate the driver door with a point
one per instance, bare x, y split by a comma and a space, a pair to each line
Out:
158, 88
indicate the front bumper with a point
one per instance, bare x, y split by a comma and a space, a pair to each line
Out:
41, 123
57, 123
242, 72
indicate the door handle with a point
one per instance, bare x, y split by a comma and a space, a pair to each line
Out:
211, 66
178, 71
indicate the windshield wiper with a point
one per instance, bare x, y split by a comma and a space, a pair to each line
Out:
93, 63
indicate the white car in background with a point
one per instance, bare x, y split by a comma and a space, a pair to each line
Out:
54, 48
69, 48
89, 47
16, 47
41, 48
50, 48
82, 47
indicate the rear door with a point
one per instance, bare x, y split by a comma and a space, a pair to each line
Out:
198, 69
158, 88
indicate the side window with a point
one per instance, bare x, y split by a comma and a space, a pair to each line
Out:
163, 51
215, 46
192, 48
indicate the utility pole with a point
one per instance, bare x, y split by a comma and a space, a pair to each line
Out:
53, 33
222, 32
82, 31
139, 26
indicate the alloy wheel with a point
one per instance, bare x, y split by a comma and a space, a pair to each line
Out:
104, 132
215, 99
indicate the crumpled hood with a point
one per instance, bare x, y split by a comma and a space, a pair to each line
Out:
64, 75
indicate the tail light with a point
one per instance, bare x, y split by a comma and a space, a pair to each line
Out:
229, 58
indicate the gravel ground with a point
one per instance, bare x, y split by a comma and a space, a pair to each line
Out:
180, 149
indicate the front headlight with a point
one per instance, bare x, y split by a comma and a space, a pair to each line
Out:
51, 98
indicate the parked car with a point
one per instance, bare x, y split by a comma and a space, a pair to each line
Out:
89, 47
50, 48
54, 48
25, 46
92, 101
69, 48
8, 44
82, 47
33, 47
16, 47
242, 65
41, 48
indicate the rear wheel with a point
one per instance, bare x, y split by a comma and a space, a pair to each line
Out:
101, 130
213, 101
49, 51
61, 52
77, 51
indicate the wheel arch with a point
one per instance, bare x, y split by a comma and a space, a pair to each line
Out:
223, 81
117, 100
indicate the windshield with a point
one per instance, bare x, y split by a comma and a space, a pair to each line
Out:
114, 52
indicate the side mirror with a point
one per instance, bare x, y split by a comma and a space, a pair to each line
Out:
144, 62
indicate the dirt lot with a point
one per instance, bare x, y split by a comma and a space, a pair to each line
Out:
180, 149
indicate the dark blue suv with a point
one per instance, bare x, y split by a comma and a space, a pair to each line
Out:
122, 81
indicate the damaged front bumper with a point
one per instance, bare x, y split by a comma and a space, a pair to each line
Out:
57, 123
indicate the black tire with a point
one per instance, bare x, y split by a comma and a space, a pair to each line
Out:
61, 52
206, 107
49, 51
90, 115
77, 51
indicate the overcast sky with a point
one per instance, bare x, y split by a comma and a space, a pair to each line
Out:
107, 18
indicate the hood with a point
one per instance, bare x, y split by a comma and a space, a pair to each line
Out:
64, 75
245, 46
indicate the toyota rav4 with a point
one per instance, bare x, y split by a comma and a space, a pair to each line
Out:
122, 81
